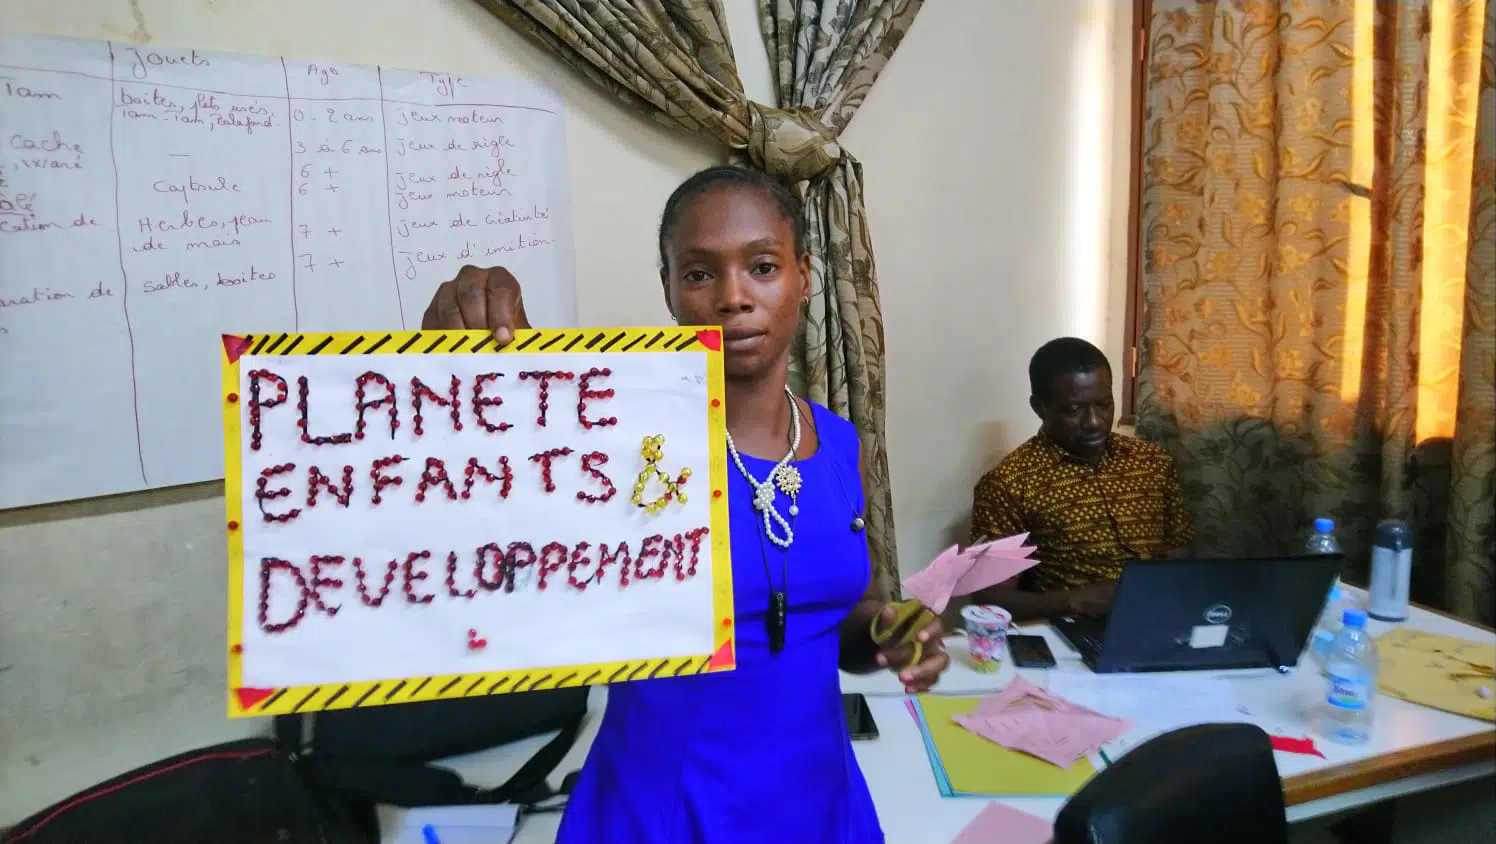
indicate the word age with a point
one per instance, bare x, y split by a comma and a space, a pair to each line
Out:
391, 506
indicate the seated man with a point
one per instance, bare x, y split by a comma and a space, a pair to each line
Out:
1088, 498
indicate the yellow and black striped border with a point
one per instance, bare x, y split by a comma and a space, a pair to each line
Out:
335, 695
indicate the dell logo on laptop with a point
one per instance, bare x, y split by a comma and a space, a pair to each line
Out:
1218, 614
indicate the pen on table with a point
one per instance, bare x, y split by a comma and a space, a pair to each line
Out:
429, 832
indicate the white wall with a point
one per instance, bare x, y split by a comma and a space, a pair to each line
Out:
997, 225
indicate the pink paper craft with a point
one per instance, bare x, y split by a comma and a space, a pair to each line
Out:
999, 824
956, 572
1028, 719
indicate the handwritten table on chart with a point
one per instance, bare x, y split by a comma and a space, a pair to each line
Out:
154, 198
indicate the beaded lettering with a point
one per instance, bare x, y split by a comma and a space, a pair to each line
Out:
545, 377
303, 397
317, 581
316, 481
381, 480
552, 558
451, 581
481, 402
452, 403
590, 463
476, 471
653, 451
544, 458
263, 493
435, 474
257, 404
361, 581
584, 394
363, 404
411, 575
271, 564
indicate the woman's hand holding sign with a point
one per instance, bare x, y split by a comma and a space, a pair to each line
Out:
479, 298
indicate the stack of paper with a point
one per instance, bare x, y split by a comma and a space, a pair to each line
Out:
1455, 675
967, 765
1026, 718
956, 572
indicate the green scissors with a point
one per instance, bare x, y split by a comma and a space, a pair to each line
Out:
910, 617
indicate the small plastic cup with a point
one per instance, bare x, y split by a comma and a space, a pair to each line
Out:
986, 634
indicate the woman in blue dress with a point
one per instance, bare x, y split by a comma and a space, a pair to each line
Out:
761, 753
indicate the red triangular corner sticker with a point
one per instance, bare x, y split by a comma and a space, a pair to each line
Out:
723, 658
711, 338
249, 697
234, 346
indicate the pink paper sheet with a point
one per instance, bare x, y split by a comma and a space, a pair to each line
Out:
1026, 718
956, 572
999, 824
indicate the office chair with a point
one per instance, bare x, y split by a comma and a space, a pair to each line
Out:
1213, 783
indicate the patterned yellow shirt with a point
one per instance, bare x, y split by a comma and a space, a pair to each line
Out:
1086, 519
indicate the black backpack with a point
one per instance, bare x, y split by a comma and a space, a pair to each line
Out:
382, 754
322, 789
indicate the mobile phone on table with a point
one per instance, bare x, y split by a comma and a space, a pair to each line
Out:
1030, 651
859, 718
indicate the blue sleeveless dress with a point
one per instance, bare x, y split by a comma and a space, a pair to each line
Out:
761, 753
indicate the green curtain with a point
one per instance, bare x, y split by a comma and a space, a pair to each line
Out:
673, 60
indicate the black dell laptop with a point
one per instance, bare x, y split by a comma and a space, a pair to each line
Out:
1198, 615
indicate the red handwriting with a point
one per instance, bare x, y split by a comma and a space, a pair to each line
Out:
288, 590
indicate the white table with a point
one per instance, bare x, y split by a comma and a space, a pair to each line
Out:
1413, 748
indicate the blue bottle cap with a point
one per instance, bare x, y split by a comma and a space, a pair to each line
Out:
1354, 618
1323, 525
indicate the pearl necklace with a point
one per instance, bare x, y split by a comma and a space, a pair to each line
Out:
782, 478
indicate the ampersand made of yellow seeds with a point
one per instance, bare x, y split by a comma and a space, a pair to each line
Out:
653, 451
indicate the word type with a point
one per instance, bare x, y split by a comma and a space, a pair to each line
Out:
319, 584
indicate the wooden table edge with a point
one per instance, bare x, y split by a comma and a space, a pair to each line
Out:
1388, 767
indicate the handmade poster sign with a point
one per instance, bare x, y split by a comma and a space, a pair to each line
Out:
418, 515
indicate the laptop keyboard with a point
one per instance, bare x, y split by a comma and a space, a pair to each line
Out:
1085, 634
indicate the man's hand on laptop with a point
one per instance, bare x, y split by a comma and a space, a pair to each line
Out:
1095, 599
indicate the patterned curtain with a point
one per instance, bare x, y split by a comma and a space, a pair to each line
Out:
825, 55
672, 59
1319, 279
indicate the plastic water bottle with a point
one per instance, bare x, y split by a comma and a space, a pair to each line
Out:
1351, 666
1323, 541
